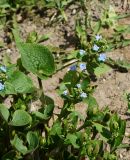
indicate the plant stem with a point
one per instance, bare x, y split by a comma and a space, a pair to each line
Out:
40, 84
67, 64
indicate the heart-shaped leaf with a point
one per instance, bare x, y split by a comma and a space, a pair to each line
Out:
36, 59
33, 141
18, 83
21, 118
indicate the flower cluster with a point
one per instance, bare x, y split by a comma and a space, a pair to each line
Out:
95, 47
102, 57
3, 69
73, 68
82, 94
82, 52
82, 66
65, 92
98, 37
78, 85
2, 86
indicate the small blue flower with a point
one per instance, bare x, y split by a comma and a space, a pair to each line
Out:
82, 66
78, 85
3, 69
73, 68
1, 86
98, 37
65, 92
82, 52
83, 95
95, 47
102, 57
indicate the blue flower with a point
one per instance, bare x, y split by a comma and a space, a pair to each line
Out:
82, 52
73, 68
83, 95
1, 86
102, 57
3, 68
82, 66
78, 85
95, 47
98, 37
65, 92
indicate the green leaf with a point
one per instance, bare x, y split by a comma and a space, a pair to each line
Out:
121, 133
56, 129
36, 59
71, 139
4, 4
117, 128
4, 112
48, 111
97, 26
71, 79
125, 42
9, 88
18, 144
21, 118
103, 130
18, 83
38, 115
109, 156
123, 64
103, 68
46, 115
91, 101
32, 140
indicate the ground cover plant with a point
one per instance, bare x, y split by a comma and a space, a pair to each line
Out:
67, 134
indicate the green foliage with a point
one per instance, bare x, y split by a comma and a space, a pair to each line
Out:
101, 69
20, 118
37, 59
18, 83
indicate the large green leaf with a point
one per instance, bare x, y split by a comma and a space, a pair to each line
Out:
18, 144
4, 112
36, 59
33, 141
21, 118
18, 82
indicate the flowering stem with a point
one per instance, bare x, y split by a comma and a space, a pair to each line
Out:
67, 64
